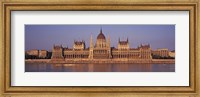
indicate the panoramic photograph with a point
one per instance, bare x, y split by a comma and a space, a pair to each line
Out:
99, 48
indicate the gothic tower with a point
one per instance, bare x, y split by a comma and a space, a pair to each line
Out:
91, 48
108, 43
108, 46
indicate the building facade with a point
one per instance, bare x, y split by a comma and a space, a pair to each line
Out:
102, 50
161, 52
36, 54
172, 54
43, 54
33, 52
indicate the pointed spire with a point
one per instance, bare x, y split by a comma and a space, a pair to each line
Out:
91, 41
127, 39
91, 36
119, 39
101, 30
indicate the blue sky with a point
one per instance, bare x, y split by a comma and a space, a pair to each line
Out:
45, 36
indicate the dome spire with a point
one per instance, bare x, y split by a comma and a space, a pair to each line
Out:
101, 35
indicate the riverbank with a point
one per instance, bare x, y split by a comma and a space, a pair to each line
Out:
125, 61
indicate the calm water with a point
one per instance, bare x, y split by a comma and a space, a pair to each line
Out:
100, 68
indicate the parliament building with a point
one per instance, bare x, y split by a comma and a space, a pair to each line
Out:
101, 50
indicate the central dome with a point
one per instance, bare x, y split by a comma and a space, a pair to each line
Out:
101, 36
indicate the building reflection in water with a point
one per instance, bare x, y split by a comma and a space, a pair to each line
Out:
100, 68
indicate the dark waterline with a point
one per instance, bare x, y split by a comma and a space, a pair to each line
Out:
99, 67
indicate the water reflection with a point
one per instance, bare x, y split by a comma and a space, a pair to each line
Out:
100, 68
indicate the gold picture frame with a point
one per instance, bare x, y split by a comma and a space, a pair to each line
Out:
120, 5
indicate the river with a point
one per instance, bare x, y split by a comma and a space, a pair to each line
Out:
33, 67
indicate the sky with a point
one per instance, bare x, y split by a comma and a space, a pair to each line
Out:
45, 36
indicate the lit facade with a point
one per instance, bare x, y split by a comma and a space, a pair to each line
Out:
33, 52
102, 50
172, 54
164, 52
43, 53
